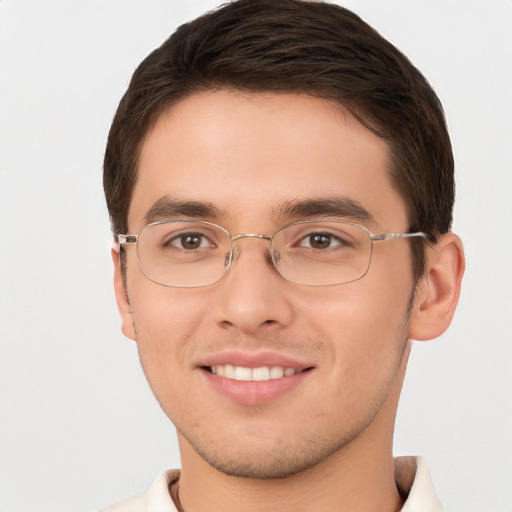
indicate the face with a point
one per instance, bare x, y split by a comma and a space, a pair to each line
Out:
248, 157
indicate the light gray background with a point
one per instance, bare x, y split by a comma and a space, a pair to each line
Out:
79, 427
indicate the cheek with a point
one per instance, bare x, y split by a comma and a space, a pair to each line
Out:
166, 322
161, 312
165, 327
365, 321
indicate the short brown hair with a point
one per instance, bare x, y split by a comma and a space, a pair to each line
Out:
304, 47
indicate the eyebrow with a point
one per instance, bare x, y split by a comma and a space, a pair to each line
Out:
167, 208
339, 207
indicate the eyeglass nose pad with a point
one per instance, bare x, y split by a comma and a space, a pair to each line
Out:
230, 256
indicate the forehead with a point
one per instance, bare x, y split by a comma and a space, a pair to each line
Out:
248, 154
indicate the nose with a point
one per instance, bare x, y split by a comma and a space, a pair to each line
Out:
252, 296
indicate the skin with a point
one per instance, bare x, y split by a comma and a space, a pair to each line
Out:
326, 442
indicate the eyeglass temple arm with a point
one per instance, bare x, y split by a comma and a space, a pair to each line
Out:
392, 236
126, 239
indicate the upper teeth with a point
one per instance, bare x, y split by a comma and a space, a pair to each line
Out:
230, 371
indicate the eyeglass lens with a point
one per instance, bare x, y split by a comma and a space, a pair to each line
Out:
195, 253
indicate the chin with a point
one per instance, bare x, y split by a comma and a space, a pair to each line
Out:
276, 460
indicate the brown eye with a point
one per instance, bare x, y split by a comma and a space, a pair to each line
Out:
190, 241
320, 241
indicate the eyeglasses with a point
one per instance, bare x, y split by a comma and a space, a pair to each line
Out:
190, 253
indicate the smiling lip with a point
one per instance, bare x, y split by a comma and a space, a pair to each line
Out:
253, 379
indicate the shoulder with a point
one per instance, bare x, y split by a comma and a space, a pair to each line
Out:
156, 499
136, 503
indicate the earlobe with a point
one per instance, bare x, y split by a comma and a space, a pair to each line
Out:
438, 290
123, 302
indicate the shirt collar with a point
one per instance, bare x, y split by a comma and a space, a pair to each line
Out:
413, 480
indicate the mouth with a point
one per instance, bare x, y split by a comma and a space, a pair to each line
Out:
260, 374
254, 378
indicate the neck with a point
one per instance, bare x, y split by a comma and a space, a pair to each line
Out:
351, 481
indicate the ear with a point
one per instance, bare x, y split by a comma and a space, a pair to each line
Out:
437, 292
123, 302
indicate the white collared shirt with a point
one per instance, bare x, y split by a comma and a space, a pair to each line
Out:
411, 475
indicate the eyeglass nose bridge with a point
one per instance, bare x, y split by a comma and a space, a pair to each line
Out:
234, 238
231, 256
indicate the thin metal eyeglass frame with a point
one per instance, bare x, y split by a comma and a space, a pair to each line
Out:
133, 239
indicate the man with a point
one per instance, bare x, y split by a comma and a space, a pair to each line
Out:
280, 181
